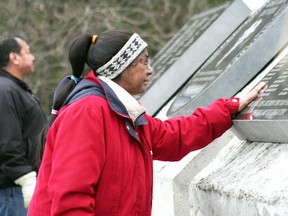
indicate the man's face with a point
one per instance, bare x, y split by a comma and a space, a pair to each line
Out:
25, 59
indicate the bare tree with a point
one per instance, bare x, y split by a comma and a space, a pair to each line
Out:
49, 25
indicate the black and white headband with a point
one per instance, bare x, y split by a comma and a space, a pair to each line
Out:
126, 55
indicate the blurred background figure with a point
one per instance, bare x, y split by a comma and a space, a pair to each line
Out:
22, 118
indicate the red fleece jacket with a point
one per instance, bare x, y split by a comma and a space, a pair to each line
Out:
93, 166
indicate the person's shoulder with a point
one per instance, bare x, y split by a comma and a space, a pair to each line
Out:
91, 105
89, 102
8, 85
93, 100
6, 81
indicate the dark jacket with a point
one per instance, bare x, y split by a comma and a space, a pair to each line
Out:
22, 118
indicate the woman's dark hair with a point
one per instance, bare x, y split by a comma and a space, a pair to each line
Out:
107, 45
8, 45
82, 51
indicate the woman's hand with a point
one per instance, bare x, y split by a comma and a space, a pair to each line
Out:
253, 94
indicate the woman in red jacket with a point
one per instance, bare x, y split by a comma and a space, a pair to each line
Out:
100, 145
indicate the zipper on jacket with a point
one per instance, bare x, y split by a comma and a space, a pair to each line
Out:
131, 130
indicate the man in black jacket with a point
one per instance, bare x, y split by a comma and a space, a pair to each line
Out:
22, 118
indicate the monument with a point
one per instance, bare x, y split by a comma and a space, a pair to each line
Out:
187, 50
237, 61
266, 118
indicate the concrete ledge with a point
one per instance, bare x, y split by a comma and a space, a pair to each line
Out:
172, 179
244, 179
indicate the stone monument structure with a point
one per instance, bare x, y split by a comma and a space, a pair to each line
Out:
188, 49
244, 54
235, 175
266, 119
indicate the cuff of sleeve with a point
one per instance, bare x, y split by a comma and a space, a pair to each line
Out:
23, 179
234, 105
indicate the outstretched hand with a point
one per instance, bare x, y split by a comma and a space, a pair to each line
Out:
253, 94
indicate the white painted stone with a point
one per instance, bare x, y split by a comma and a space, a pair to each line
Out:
254, 4
164, 175
172, 179
176, 192
244, 179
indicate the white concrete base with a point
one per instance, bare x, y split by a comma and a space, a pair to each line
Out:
244, 179
163, 193
172, 179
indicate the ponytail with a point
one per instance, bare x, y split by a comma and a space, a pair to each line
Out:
105, 46
77, 56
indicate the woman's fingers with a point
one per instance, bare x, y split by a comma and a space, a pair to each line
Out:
253, 94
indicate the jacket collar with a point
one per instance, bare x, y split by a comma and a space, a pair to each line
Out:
19, 82
116, 104
133, 107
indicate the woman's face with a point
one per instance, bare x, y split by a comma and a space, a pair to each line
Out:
134, 78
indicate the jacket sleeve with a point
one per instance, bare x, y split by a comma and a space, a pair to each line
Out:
176, 137
78, 159
12, 153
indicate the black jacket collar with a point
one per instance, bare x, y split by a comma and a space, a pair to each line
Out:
19, 82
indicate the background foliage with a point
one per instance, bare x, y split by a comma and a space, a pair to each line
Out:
49, 25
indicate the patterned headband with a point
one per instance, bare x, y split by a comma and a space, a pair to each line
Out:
127, 54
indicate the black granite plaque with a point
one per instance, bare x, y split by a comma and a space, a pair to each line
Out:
188, 49
238, 60
273, 104
266, 118
180, 42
